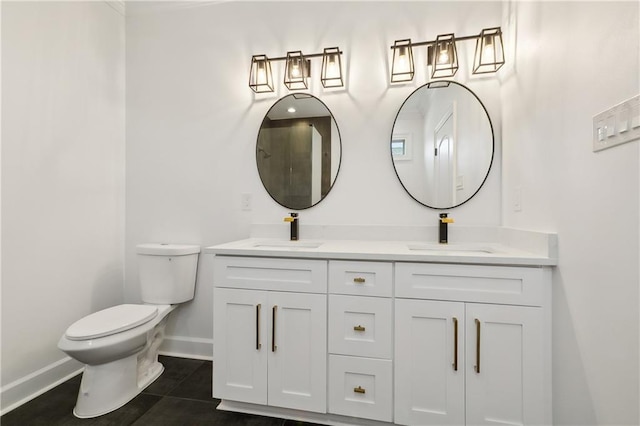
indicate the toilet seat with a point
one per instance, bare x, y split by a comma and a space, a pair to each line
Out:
111, 321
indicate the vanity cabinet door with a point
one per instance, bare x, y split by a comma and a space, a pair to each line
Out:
507, 344
298, 351
241, 346
270, 348
429, 373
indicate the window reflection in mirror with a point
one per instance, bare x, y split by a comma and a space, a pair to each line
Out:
401, 147
298, 151
451, 143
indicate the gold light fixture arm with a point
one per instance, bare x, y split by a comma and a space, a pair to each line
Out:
432, 42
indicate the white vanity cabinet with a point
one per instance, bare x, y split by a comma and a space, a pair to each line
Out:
371, 333
458, 361
270, 346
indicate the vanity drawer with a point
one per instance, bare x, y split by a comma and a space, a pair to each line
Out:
279, 274
360, 326
471, 283
360, 387
360, 278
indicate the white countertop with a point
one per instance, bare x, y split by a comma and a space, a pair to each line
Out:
490, 253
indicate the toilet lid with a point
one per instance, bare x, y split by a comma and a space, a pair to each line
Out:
111, 321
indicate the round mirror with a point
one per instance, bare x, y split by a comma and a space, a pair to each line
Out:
298, 151
442, 144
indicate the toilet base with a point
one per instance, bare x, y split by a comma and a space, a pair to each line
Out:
107, 387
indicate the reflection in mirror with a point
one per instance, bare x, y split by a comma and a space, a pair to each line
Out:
298, 151
442, 144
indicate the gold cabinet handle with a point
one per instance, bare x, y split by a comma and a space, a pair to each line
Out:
258, 344
359, 389
477, 366
455, 344
358, 328
359, 280
273, 328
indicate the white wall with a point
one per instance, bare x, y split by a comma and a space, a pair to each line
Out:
192, 120
62, 180
191, 127
575, 60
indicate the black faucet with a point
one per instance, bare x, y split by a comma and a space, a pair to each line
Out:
293, 219
443, 234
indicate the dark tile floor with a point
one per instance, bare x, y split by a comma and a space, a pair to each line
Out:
180, 396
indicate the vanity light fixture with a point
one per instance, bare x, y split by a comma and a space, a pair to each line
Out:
260, 78
402, 66
489, 56
442, 55
331, 75
297, 70
444, 61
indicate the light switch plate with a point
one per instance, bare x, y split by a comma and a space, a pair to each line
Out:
517, 199
245, 202
617, 125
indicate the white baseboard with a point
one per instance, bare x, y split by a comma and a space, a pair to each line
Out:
35, 384
187, 347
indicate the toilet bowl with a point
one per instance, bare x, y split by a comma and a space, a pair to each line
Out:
119, 345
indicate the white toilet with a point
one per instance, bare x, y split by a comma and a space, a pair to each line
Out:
119, 345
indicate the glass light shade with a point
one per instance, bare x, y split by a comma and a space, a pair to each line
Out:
296, 71
489, 55
444, 62
331, 75
260, 77
402, 68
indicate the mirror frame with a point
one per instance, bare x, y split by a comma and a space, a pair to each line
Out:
436, 84
335, 122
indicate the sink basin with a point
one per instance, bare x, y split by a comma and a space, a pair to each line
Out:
288, 244
452, 248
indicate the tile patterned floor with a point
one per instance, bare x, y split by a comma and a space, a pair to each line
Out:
181, 396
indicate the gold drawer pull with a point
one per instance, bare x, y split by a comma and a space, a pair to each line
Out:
477, 366
455, 344
273, 328
359, 389
359, 280
358, 328
258, 344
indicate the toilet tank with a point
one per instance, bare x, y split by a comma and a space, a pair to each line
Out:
167, 272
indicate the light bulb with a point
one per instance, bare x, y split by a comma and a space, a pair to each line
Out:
295, 70
332, 67
488, 53
443, 58
261, 78
403, 63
